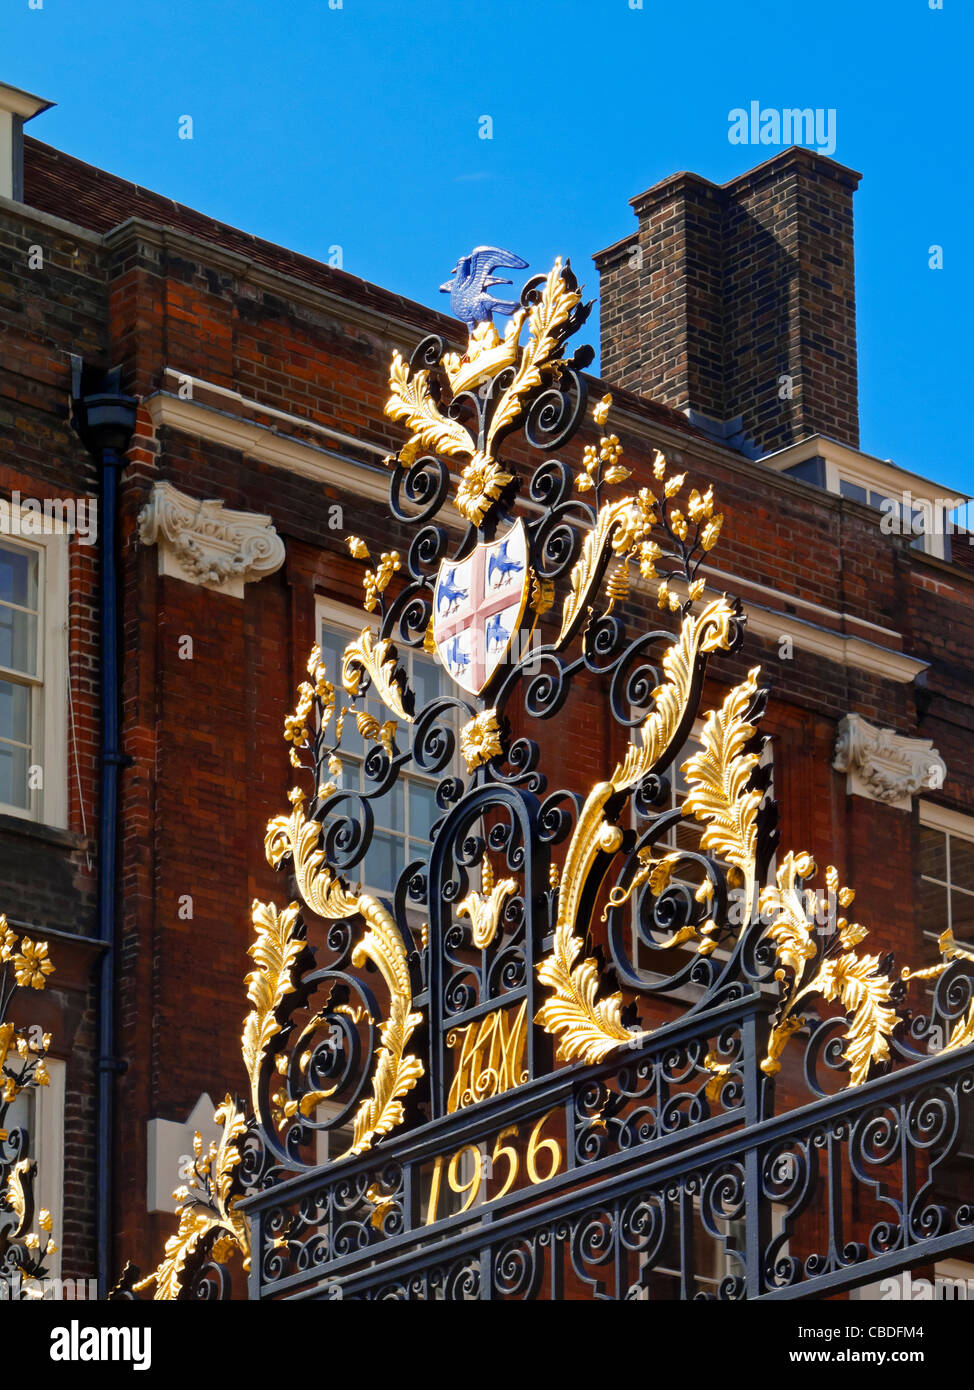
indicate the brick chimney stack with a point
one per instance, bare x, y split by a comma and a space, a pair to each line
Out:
736, 302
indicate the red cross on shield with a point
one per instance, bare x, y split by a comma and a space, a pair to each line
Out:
478, 605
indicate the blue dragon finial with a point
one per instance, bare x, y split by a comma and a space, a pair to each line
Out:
469, 285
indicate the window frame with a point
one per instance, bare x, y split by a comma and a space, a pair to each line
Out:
337, 614
953, 825
48, 804
928, 542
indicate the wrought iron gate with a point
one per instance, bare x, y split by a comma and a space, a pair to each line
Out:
545, 1064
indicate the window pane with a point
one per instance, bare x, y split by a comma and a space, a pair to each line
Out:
13, 776
962, 915
18, 577
688, 836
427, 681
933, 853
332, 642
15, 712
18, 640
423, 810
962, 863
853, 490
389, 809
384, 861
931, 907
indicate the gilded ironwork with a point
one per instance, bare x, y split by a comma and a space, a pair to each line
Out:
461, 1049
484, 907
210, 1228
491, 1057
24, 964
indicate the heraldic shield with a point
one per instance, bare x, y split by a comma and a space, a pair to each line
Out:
479, 603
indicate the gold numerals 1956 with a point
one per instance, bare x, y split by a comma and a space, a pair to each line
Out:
542, 1160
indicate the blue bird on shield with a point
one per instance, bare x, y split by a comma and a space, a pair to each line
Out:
449, 593
456, 659
500, 563
469, 285
497, 633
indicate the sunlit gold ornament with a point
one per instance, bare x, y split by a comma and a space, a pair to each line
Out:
480, 739
484, 908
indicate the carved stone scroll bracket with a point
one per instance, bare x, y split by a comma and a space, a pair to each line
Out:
886, 766
203, 542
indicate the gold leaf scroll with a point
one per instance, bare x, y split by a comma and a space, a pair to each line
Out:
583, 1026
551, 311
376, 657
15, 1196
206, 1215
411, 400
718, 780
396, 1071
864, 992
621, 525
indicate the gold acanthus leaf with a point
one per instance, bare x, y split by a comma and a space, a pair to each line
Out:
622, 526
376, 658
962, 1033
208, 1222
718, 778
277, 950
552, 310
785, 906
864, 992
396, 1071
586, 1028
542, 595
411, 400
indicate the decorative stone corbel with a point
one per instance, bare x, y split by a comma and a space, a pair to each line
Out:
204, 543
885, 766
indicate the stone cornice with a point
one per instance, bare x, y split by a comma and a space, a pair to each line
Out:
885, 766
202, 542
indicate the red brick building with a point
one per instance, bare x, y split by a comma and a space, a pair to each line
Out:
728, 342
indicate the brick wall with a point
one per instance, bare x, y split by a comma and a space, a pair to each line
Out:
47, 312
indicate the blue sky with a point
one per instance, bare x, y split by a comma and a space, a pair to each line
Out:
358, 127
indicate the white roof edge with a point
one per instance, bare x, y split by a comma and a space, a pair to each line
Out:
821, 445
22, 103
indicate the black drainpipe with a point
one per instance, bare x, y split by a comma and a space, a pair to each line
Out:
105, 421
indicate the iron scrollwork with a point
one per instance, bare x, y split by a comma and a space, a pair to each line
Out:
480, 1007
